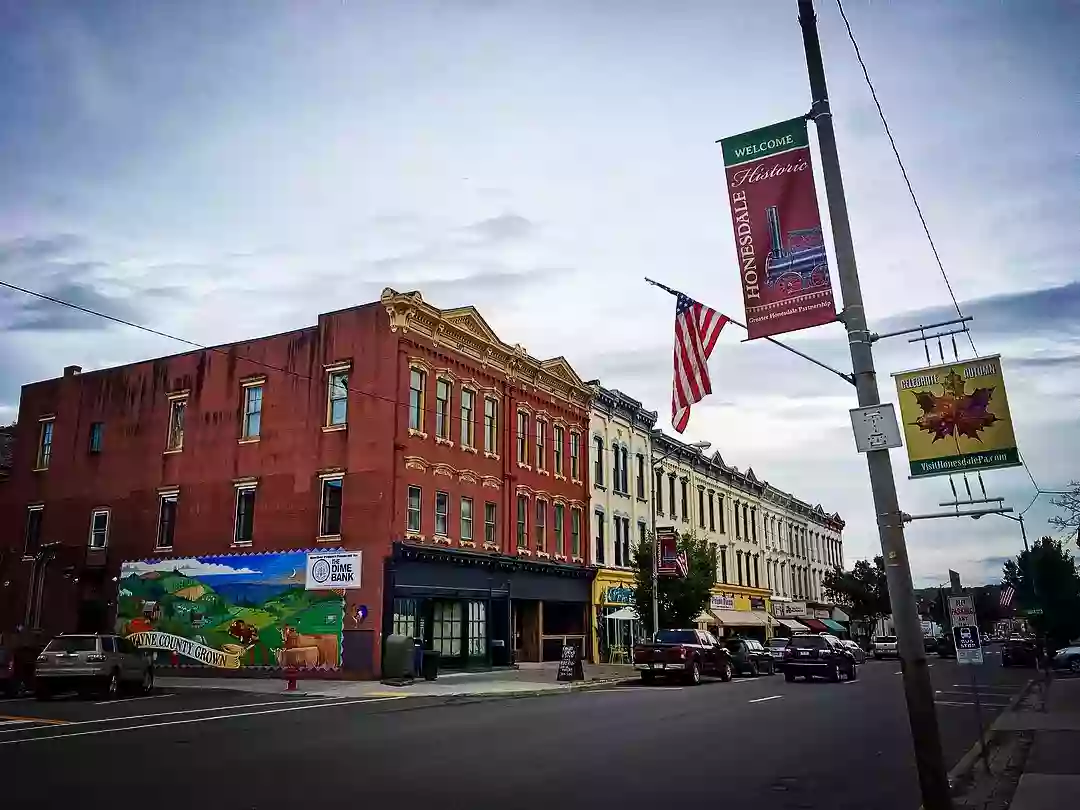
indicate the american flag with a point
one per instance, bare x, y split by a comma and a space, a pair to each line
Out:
696, 329
682, 564
1007, 594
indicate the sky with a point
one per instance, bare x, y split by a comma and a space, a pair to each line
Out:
222, 170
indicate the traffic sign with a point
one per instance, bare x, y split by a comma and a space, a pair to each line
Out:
965, 630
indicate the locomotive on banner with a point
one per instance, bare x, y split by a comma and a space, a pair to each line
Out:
800, 264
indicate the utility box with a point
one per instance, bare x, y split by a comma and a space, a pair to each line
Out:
398, 658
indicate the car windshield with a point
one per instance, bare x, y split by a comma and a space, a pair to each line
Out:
885, 640
809, 643
676, 637
68, 644
778, 642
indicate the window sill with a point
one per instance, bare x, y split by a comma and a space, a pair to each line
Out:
577, 559
334, 428
559, 558
493, 456
641, 499
241, 545
441, 540
524, 466
577, 481
40, 469
468, 448
491, 546
560, 477
543, 471
328, 538
174, 451
600, 486
249, 440
419, 434
415, 536
466, 544
28, 558
543, 555
524, 552
446, 442
163, 549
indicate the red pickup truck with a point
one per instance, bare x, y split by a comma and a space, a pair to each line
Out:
684, 654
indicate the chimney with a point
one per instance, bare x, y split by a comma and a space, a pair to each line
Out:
71, 371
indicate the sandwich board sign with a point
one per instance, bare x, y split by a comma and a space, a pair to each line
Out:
965, 630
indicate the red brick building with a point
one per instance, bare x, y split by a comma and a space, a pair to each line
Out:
454, 462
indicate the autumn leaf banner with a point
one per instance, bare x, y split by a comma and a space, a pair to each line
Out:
956, 418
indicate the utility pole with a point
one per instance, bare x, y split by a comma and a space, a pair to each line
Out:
933, 778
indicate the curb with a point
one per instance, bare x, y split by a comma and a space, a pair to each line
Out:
968, 760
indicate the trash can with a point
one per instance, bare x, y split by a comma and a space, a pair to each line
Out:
430, 665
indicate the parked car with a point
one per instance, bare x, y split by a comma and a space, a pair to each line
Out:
775, 648
946, 646
884, 647
1020, 652
93, 662
857, 652
818, 656
930, 644
749, 657
683, 654
1067, 658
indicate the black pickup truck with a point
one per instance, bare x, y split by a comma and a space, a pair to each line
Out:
683, 654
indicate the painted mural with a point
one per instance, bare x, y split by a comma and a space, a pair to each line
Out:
230, 611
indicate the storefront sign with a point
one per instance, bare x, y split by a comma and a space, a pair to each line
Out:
332, 570
571, 667
721, 603
956, 418
757, 602
821, 614
779, 245
619, 595
789, 610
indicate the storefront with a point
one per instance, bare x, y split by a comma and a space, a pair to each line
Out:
619, 624
787, 614
483, 610
738, 613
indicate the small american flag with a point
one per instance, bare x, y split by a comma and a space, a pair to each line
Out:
682, 564
696, 329
1007, 594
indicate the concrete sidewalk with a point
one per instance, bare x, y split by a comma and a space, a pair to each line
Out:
526, 680
1051, 777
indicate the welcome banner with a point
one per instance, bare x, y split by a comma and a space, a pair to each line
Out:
778, 240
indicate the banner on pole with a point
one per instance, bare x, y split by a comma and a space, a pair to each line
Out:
667, 540
783, 270
956, 418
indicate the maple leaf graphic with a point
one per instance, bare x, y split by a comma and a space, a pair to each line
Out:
955, 412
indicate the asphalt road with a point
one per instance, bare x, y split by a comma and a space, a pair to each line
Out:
754, 743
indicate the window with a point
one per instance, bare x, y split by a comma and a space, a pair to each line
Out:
723, 564
599, 553
167, 519
738, 526
45, 444
522, 437
490, 535
560, 517
252, 411
491, 425
177, 408
442, 409
746, 521
625, 539
642, 533
446, 620
417, 387
99, 528
97, 429
598, 462
738, 565
640, 475
541, 444
671, 493
616, 468
701, 506
685, 501
32, 535
466, 519
617, 521
442, 513
624, 471
337, 405
558, 436
575, 456
575, 532
753, 525
658, 492
522, 521
477, 629
468, 405
720, 498
412, 517
245, 516
757, 571
712, 511
540, 526
330, 523
406, 617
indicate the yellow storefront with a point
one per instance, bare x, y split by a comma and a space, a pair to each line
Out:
737, 610
617, 622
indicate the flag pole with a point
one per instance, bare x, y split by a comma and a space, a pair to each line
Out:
837, 372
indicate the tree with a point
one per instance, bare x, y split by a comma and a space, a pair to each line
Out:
1047, 587
681, 599
863, 591
988, 609
1069, 503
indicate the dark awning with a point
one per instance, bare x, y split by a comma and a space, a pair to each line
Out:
836, 627
814, 625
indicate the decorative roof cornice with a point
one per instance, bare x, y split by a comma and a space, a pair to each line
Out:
616, 403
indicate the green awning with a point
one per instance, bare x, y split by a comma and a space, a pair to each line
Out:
836, 627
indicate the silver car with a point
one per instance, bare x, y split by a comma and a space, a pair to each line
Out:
91, 663
854, 649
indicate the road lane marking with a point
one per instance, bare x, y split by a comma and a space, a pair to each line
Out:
988, 687
120, 718
762, 700
982, 703
128, 700
15, 718
194, 720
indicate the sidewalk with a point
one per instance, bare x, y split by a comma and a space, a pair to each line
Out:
529, 679
1051, 775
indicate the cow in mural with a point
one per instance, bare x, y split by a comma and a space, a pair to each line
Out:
307, 650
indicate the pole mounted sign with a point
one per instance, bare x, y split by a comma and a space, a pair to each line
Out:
956, 418
965, 630
778, 240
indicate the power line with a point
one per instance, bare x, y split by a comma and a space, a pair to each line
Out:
918, 208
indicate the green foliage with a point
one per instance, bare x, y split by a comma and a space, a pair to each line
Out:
1046, 580
863, 591
681, 599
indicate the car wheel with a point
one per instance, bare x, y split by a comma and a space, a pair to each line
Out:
147, 681
754, 670
834, 673
1074, 665
772, 669
853, 673
694, 676
789, 676
112, 686
727, 672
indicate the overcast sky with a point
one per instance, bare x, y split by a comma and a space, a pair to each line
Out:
221, 170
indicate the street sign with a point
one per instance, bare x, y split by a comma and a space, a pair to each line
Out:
965, 630
875, 427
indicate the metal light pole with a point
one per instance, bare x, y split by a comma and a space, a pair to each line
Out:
933, 778
701, 447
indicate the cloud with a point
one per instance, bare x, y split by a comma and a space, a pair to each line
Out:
502, 228
189, 566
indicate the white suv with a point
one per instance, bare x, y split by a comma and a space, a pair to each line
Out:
885, 645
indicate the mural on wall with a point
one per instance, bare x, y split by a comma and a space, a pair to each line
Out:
230, 611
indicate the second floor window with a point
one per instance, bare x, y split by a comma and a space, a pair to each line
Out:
712, 511
575, 532
600, 541
466, 519
468, 406
337, 406
417, 386
522, 437
413, 513
541, 444
44, 454
753, 525
575, 456
720, 503
177, 409
244, 527
491, 425
557, 438
671, 494
97, 429
522, 521
658, 492
32, 535
99, 529
685, 500
167, 519
252, 411
560, 515
598, 463
442, 513
330, 521
640, 475
442, 409
701, 506
540, 526
624, 471
616, 468
490, 527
